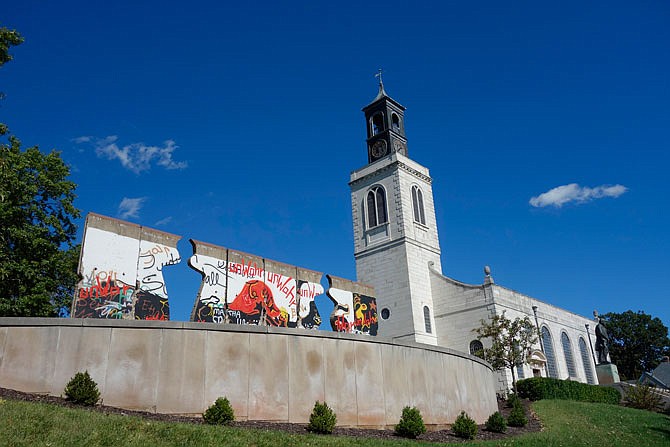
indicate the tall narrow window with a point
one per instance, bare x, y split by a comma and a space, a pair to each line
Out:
417, 205
395, 122
567, 352
548, 347
426, 320
376, 203
377, 123
586, 361
477, 348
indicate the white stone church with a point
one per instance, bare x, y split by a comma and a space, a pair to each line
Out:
397, 250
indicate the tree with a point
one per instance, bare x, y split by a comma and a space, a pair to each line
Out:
510, 341
637, 342
38, 259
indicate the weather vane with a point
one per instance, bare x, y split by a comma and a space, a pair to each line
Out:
379, 75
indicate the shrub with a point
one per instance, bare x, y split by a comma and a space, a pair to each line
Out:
220, 413
517, 417
411, 423
322, 420
537, 388
496, 423
513, 400
643, 397
82, 389
464, 427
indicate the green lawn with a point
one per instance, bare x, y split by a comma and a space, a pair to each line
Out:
566, 424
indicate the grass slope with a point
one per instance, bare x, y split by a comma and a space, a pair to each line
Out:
566, 424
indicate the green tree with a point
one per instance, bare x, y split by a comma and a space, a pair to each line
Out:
510, 341
38, 259
637, 342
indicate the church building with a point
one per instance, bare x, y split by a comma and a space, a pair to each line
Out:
397, 251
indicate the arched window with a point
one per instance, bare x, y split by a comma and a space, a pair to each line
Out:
376, 201
426, 320
567, 352
417, 205
586, 361
377, 123
548, 347
395, 122
477, 348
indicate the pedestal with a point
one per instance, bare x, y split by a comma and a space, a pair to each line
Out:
607, 373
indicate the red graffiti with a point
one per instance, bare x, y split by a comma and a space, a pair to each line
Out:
254, 296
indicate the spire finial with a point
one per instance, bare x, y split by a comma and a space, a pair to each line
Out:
379, 75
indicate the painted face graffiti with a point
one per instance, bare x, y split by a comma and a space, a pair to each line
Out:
256, 298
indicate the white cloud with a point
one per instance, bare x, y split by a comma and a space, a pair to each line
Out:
130, 207
164, 221
83, 139
135, 157
561, 195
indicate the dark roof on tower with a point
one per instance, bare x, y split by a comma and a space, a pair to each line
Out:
381, 95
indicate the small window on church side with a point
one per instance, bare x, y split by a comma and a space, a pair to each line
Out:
376, 204
377, 123
395, 121
426, 320
417, 205
477, 348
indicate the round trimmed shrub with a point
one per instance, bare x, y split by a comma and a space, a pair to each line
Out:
82, 389
411, 423
464, 426
517, 417
496, 423
220, 413
322, 420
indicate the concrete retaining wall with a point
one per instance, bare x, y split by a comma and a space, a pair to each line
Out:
267, 373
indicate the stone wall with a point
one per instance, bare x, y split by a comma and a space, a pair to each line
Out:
267, 373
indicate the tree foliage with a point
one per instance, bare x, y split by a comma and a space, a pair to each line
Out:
38, 259
637, 342
8, 38
510, 341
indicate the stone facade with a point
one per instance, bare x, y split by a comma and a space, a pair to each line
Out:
400, 258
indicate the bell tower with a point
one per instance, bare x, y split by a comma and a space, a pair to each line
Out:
385, 119
395, 230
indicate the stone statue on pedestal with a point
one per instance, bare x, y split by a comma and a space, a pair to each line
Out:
602, 343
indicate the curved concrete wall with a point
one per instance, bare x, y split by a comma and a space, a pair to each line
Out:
267, 373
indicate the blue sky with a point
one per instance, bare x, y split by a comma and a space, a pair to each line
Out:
239, 124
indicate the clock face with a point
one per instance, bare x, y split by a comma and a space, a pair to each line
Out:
378, 149
399, 146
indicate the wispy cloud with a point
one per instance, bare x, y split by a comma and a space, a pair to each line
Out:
83, 139
135, 157
130, 207
164, 221
572, 192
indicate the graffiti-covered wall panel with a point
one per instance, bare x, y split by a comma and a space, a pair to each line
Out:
240, 288
121, 267
122, 277
355, 310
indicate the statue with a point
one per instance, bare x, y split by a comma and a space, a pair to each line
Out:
602, 342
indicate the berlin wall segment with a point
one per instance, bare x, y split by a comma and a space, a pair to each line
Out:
122, 263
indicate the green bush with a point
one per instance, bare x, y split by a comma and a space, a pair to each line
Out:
220, 413
537, 388
465, 427
322, 420
513, 400
517, 417
643, 397
411, 423
496, 423
82, 389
